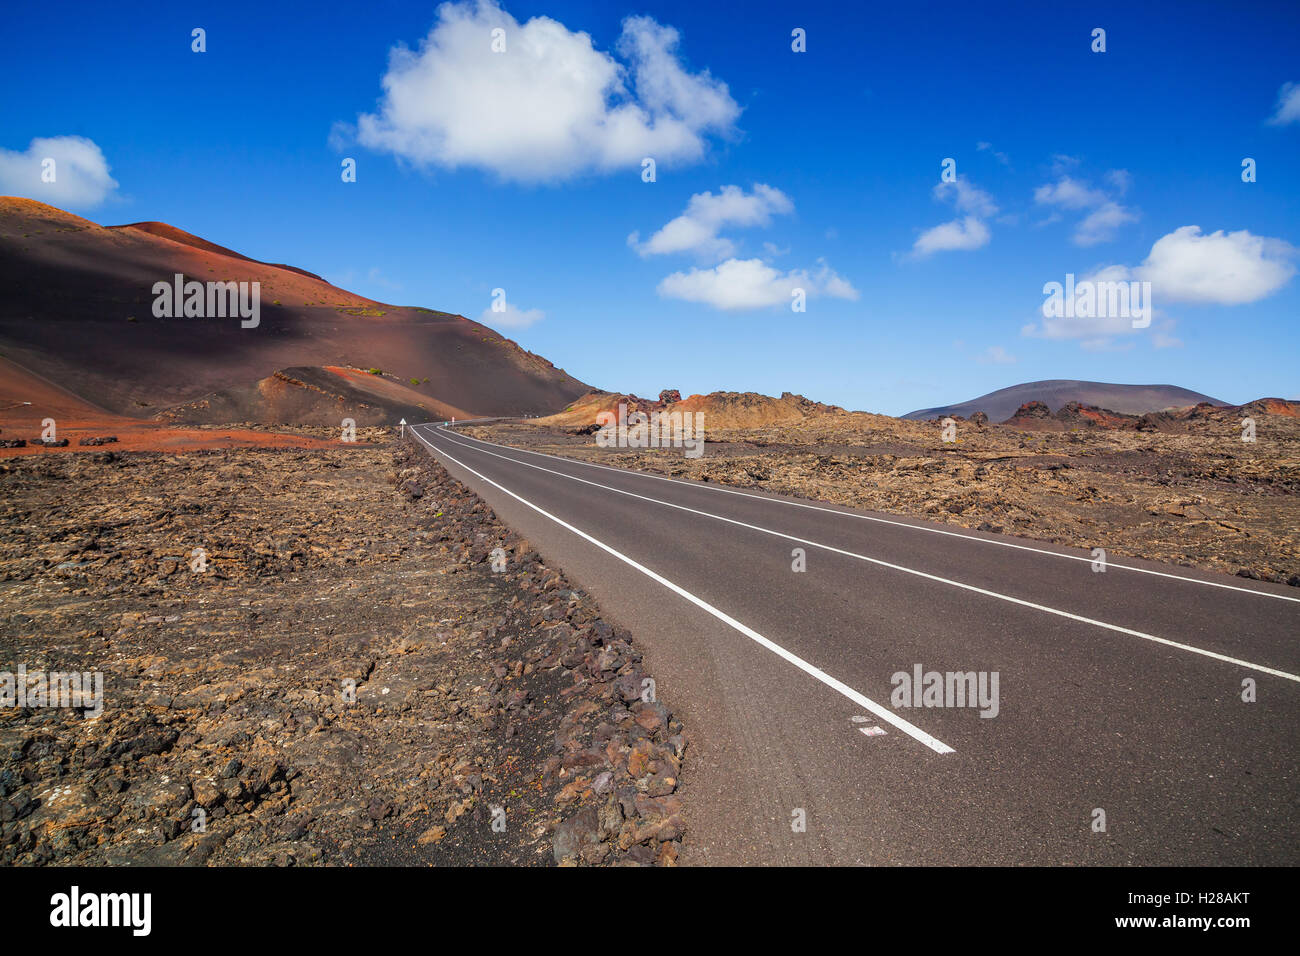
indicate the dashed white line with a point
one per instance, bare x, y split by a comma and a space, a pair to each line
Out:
884, 713
887, 564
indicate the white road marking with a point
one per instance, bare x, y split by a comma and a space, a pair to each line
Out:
898, 524
884, 713
898, 567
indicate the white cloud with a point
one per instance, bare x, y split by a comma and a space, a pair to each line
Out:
735, 283
81, 176
1222, 268
551, 106
1070, 193
966, 198
1100, 224
960, 234
1288, 105
512, 318
966, 233
696, 230
1105, 215
753, 284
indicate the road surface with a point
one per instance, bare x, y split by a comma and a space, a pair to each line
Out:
1119, 733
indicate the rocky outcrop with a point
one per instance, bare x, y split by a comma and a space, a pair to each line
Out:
1079, 415
1030, 412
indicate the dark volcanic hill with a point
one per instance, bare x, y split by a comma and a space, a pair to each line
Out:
77, 309
1055, 393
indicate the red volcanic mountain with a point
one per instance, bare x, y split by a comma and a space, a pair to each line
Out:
77, 310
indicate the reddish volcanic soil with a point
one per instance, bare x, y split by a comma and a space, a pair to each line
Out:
27, 399
382, 388
78, 310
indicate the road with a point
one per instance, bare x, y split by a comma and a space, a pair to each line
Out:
1119, 736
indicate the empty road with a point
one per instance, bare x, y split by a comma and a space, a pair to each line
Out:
1118, 733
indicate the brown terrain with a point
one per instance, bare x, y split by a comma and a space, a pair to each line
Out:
26, 401
1176, 486
737, 409
346, 677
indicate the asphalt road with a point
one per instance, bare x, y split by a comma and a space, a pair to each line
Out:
1117, 691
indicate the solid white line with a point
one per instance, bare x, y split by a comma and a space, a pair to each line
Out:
898, 567
884, 713
898, 524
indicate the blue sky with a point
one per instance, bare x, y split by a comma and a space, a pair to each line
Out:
522, 170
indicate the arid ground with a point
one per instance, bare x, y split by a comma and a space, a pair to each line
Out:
349, 675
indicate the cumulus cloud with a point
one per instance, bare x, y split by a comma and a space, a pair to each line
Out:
1105, 214
512, 317
968, 232
1230, 268
1288, 105
80, 172
551, 106
696, 230
735, 283
1222, 268
753, 284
